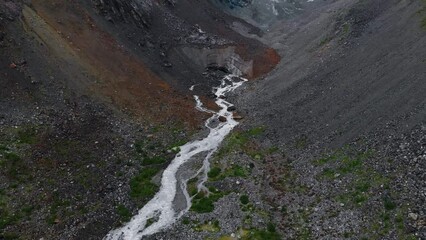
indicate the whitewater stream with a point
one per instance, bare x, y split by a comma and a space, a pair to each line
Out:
160, 209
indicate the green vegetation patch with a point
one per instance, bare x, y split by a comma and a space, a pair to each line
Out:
13, 166
57, 208
244, 199
7, 218
124, 213
325, 40
362, 187
152, 153
390, 220
362, 184
239, 140
175, 147
238, 171
9, 236
216, 173
342, 162
422, 13
192, 187
208, 227
267, 234
156, 160
255, 234
388, 203
27, 135
202, 203
141, 186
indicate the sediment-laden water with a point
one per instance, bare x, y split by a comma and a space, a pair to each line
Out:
160, 209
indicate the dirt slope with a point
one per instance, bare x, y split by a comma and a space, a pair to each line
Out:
347, 107
347, 73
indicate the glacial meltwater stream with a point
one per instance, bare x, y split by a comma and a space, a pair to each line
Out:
160, 209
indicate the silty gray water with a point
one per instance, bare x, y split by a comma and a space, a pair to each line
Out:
160, 208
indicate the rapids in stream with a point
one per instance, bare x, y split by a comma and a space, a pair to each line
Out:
160, 208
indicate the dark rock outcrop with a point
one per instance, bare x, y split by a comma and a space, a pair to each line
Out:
136, 12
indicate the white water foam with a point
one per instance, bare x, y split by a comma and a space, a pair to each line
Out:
160, 208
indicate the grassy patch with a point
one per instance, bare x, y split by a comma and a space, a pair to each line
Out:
386, 222
145, 148
27, 135
67, 148
186, 221
192, 187
27, 210
423, 23
141, 186
255, 234
388, 203
244, 199
346, 27
3, 148
175, 147
208, 227
362, 188
325, 41
156, 160
204, 204
268, 234
124, 213
140, 147
247, 207
243, 234
9, 236
272, 150
10, 215
422, 12
13, 166
300, 223
151, 221
344, 163
56, 208
7, 218
214, 172
239, 141
238, 171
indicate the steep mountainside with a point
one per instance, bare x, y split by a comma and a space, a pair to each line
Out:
90, 92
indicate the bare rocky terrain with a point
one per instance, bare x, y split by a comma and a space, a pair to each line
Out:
95, 101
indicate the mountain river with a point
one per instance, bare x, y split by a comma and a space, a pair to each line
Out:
160, 209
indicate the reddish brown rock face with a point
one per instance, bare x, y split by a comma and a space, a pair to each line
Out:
121, 77
265, 62
124, 79
264, 59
